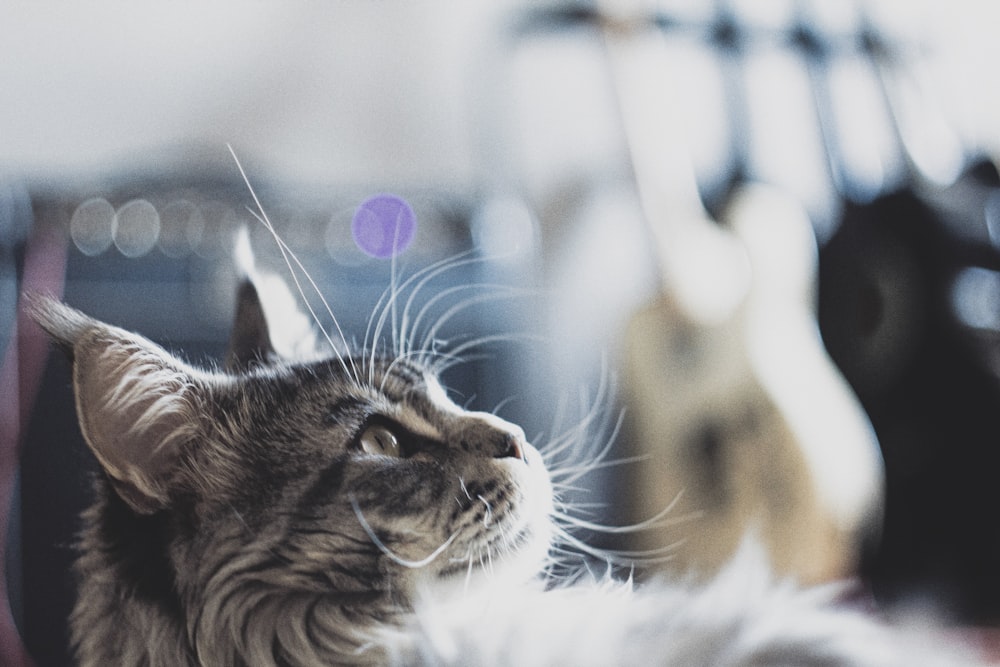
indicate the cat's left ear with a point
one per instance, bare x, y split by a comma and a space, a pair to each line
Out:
138, 406
250, 339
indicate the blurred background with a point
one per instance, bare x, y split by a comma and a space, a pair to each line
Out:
593, 161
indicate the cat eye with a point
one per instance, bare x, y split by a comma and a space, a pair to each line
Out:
380, 440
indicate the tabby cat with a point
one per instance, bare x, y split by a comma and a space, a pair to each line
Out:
338, 508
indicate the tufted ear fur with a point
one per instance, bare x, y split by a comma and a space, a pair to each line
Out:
137, 405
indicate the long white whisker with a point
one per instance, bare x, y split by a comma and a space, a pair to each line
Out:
377, 333
495, 293
432, 331
399, 560
659, 520
488, 517
571, 439
621, 558
600, 457
289, 256
465, 490
422, 278
387, 307
571, 436
567, 473
393, 279
503, 404
596, 419
468, 572
377, 319
384, 307
457, 353
430, 303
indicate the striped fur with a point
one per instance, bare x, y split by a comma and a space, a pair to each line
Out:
241, 521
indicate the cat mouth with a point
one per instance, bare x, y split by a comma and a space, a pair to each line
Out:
511, 547
503, 519
511, 541
504, 537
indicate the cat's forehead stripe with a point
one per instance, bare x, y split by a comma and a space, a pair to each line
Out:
348, 407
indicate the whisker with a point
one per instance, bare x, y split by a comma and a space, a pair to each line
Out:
399, 560
428, 340
445, 317
575, 472
570, 441
419, 280
619, 558
510, 292
390, 294
658, 520
385, 307
488, 517
596, 419
503, 404
371, 339
468, 573
289, 256
563, 487
455, 355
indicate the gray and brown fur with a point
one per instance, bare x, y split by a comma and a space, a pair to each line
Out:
236, 517
240, 519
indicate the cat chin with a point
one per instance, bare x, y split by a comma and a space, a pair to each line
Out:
495, 567
513, 570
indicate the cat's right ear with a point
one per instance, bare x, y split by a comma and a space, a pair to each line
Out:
268, 326
137, 405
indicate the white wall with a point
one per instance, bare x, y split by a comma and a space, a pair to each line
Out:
321, 90
342, 90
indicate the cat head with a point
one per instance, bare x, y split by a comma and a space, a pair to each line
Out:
336, 475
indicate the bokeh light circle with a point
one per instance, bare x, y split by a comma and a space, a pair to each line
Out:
92, 226
383, 225
137, 228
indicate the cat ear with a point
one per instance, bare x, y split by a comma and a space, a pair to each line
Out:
250, 339
268, 325
137, 405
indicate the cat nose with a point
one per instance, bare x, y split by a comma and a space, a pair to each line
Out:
491, 436
512, 446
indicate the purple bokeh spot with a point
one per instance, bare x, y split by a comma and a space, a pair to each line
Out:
383, 226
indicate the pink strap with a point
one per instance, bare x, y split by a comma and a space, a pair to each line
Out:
20, 376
